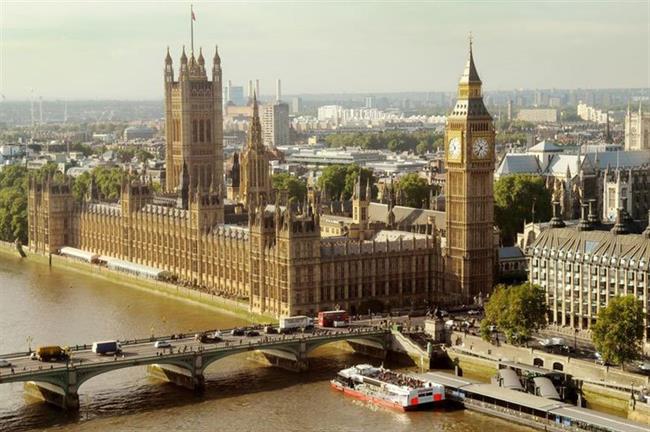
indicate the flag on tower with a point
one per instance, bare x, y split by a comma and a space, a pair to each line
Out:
193, 17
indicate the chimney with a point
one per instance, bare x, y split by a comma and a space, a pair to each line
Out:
593, 217
257, 88
556, 220
278, 90
584, 224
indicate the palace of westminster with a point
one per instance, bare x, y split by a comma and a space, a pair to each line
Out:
241, 241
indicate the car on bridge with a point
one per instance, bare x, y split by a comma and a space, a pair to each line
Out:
5, 363
162, 344
237, 332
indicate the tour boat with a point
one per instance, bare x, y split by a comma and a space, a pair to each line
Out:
386, 388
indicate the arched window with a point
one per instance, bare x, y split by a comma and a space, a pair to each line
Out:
195, 131
208, 132
201, 131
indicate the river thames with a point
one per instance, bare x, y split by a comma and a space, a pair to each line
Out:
54, 306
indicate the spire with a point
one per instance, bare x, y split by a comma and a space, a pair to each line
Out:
469, 74
368, 190
183, 56
217, 59
201, 60
255, 129
168, 58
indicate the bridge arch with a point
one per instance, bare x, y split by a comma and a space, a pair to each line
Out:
210, 358
85, 374
558, 366
374, 342
538, 362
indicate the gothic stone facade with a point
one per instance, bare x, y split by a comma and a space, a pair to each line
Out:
278, 261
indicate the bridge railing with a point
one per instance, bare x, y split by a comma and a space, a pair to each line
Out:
232, 345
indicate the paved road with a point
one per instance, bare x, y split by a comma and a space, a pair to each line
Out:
20, 362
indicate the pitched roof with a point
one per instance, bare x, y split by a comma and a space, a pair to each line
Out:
405, 216
621, 159
518, 164
545, 146
596, 246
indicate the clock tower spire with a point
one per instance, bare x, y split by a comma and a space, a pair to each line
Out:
469, 159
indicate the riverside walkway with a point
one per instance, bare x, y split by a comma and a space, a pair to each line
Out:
183, 363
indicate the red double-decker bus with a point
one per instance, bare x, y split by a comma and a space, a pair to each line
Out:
328, 318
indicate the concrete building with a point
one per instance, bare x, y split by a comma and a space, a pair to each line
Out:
275, 124
537, 115
581, 268
138, 132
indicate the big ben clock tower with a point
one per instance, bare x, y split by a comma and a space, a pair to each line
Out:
469, 158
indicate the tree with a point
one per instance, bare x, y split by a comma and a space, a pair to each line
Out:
618, 332
332, 180
517, 311
296, 188
353, 172
339, 180
414, 189
515, 196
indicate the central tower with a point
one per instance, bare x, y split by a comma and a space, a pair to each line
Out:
469, 158
193, 123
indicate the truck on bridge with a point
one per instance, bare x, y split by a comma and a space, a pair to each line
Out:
47, 353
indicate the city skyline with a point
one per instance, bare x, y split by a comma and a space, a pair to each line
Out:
108, 54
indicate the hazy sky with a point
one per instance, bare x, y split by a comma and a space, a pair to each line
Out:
115, 49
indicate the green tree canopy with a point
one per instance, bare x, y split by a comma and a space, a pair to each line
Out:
618, 332
514, 198
13, 199
399, 141
415, 190
340, 179
296, 188
517, 311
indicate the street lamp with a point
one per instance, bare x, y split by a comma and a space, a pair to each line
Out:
29, 343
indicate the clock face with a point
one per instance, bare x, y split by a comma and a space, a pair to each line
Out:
454, 148
480, 147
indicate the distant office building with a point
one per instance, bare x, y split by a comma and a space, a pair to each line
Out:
138, 132
275, 124
637, 130
330, 113
509, 109
236, 95
296, 105
538, 115
370, 102
591, 114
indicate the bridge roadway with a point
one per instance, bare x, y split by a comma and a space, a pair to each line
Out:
57, 382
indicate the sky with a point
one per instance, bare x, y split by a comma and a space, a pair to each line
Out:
115, 49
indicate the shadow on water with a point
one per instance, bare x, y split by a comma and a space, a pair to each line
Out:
238, 377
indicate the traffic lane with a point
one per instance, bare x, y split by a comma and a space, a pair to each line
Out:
147, 349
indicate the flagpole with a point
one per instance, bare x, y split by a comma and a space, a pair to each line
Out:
192, 28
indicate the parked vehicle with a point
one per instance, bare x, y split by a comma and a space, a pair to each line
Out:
252, 333
294, 323
237, 332
5, 363
327, 318
47, 353
162, 344
106, 347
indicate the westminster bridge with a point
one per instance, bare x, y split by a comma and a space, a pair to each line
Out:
183, 363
